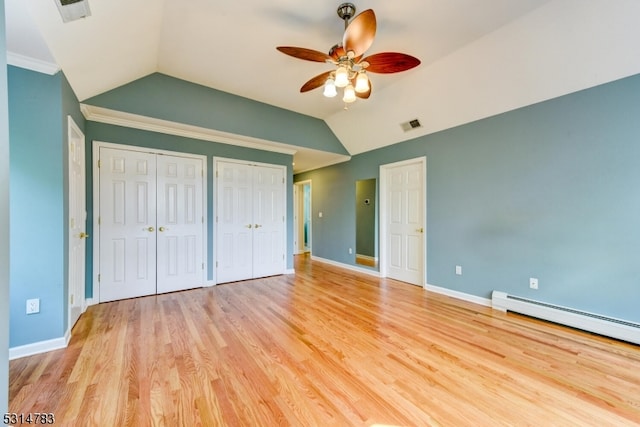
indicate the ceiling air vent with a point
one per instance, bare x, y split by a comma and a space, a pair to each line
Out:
70, 10
411, 124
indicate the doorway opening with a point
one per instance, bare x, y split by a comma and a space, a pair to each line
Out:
302, 217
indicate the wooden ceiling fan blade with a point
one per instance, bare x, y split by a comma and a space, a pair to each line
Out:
389, 62
360, 33
315, 82
303, 53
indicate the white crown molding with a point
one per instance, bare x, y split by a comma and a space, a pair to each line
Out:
32, 64
135, 121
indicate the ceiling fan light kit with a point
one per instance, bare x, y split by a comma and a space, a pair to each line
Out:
351, 68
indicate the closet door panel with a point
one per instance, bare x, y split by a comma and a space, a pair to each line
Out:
127, 224
180, 223
268, 215
234, 226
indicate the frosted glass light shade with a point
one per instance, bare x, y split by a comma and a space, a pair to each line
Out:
349, 94
330, 88
362, 82
342, 76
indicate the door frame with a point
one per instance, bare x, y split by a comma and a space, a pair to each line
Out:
383, 214
74, 133
214, 184
96, 145
298, 216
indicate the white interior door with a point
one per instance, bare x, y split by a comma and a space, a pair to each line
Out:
77, 222
234, 222
268, 221
405, 222
180, 223
250, 221
127, 224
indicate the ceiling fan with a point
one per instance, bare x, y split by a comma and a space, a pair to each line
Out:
351, 67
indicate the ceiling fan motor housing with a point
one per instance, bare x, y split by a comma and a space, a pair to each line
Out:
346, 12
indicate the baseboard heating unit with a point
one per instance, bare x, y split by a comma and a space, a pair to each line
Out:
602, 325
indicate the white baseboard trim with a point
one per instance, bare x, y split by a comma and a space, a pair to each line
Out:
437, 289
40, 347
89, 302
209, 283
290, 271
347, 266
459, 295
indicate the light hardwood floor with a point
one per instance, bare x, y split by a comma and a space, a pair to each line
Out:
325, 347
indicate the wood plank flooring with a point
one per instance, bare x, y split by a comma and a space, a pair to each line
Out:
325, 347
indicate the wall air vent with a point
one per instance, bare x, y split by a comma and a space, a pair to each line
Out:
410, 125
70, 10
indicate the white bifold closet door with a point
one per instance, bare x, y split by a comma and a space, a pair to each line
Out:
151, 223
250, 221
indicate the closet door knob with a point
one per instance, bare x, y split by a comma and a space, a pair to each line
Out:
161, 229
258, 226
248, 226
151, 229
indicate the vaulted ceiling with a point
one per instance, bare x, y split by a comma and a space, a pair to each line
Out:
479, 58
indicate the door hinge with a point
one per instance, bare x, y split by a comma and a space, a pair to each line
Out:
98, 278
283, 179
216, 264
99, 220
216, 174
99, 164
203, 220
282, 256
203, 265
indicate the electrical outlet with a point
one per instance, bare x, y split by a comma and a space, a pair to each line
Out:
33, 306
459, 270
350, 250
533, 283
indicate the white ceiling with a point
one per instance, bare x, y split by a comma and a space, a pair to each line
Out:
479, 57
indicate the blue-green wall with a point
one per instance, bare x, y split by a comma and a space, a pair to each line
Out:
547, 191
168, 98
37, 205
4, 222
121, 135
